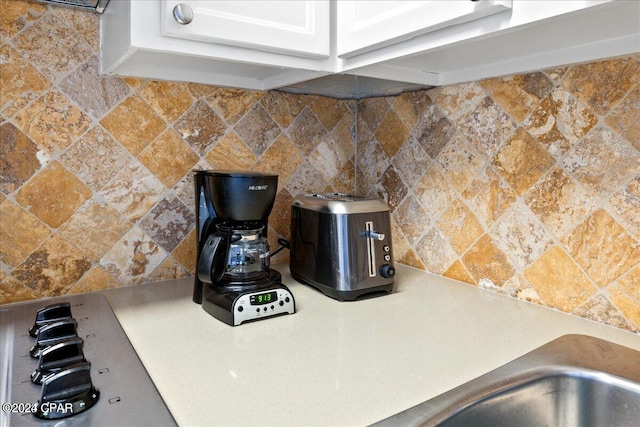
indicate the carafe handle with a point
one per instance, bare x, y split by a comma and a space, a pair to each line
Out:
213, 258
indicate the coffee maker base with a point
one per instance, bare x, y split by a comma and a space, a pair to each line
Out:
235, 307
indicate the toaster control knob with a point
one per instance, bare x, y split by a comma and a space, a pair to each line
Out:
387, 270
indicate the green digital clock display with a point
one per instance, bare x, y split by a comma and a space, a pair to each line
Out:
264, 298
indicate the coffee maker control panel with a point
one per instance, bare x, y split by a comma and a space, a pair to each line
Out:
258, 305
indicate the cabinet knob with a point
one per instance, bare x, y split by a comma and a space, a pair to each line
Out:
183, 14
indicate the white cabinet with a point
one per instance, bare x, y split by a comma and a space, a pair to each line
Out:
298, 27
253, 45
367, 25
268, 44
533, 35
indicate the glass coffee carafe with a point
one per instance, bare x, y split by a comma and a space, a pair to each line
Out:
248, 253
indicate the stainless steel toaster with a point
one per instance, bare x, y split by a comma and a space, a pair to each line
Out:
341, 245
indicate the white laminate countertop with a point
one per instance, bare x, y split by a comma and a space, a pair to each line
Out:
332, 363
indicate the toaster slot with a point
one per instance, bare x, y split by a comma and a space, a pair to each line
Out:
371, 249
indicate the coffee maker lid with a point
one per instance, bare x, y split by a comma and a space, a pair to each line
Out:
234, 173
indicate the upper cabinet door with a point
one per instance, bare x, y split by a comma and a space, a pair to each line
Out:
299, 28
367, 25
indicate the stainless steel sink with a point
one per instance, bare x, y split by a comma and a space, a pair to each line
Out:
575, 380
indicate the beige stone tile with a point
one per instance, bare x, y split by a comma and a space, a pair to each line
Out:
434, 192
411, 161
258, 130
169, 269
11, 290
20, 233
85, 24
602, 84
21, 82
325, 160
95, 158
52, 47
411, 106
96, 279
344, 141
133, 258
168, 222
433, 131
626, 294
559, 201
412, 219
53, 268
201, 127
520, 288
559, 122
602, 162
459, 101
372, 111
488, 196
399, 245
185, 252
134, 124
391, 133
169, 99
94, 228
626, 204
521, 161
460, 226
282, 158
16, 15
460, 162
602, 248
559, 281
556, 74
19, 160
231, 153
484, 260
94, 93
232, 104
133, 192
282, 107
435, 252
625, 118
306, 179
280, 217
371, 162
488, 127
344, 181
457, 271
521, 235
52, 121
600, 309
520, 94
169, 158
306, 131
391, 188
411, 259
53, 195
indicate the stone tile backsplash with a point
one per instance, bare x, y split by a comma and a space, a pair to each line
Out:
527, 185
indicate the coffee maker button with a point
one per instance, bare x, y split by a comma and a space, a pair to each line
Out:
281, 303
240, 309
287, 299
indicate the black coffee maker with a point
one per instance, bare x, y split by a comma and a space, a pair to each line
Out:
233, 280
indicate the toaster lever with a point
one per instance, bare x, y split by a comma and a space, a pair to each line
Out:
374, 235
